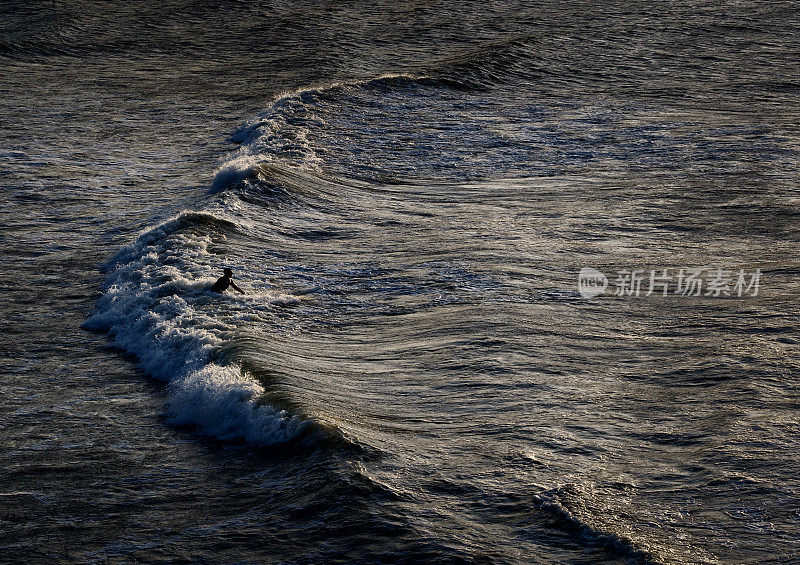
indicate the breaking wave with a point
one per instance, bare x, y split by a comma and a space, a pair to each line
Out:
153, 308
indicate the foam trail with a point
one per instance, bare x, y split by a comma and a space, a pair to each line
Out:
153, 310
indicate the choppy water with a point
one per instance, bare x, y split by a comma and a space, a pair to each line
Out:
407, 192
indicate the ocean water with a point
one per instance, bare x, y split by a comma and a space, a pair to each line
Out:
407, 193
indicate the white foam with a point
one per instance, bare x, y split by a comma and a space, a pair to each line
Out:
154, 309
234, 171
274, 297
272, 137
223, 403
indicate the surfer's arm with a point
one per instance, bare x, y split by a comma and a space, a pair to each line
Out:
233, 284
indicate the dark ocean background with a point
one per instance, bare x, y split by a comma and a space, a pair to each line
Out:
407, 192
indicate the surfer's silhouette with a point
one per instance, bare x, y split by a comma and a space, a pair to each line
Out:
225, 281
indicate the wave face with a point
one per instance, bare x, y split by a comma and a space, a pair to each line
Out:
409, 245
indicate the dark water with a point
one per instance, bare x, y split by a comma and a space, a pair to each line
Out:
407, 192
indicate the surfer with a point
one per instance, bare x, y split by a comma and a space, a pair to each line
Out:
225, 281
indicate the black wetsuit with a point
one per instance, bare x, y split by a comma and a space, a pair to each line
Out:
223, 283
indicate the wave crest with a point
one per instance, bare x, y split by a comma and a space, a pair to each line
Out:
563, 505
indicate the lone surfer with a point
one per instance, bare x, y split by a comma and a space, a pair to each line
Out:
225, 281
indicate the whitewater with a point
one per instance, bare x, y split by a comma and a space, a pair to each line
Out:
407, 195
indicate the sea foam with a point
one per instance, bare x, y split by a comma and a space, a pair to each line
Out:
152, 308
